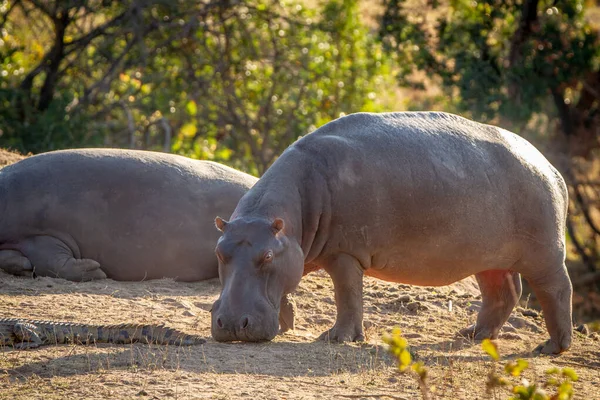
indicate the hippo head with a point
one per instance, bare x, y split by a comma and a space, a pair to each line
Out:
258, 266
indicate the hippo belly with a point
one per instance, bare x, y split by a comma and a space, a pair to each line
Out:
122, 214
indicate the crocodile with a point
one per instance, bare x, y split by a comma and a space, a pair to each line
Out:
25, 333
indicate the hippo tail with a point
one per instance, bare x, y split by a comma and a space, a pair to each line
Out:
563, 191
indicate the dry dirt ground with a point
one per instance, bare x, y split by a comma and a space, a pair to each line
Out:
293, 366
9, 157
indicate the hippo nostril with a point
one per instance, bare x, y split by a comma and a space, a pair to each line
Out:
219, 323
244, 322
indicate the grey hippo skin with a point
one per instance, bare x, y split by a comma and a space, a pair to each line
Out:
417, 198
124, 214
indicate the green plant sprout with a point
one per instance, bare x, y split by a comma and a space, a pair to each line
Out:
559, 380
398, 346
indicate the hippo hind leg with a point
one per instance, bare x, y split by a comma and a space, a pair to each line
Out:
554, 291
13, 262
500, 292
51, 257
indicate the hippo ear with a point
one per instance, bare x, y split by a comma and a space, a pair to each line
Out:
221, 224
277, 225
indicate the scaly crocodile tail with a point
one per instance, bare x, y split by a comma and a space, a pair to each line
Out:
18, 330
151, 334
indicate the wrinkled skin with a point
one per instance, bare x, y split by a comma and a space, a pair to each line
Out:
254, 302
417, 198
123, 214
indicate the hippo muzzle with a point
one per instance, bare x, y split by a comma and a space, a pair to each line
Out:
253, 322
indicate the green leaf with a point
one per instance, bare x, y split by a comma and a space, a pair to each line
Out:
490, 348
515, 368
405, 359
191, 108
570, 373
188, 130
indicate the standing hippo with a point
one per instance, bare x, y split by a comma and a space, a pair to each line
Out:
418, 198
123, 214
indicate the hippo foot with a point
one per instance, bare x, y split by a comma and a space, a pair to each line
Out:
476, 333
81, 270
343, 334
549, 347
13, 262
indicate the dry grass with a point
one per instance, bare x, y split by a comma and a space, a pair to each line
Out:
292, 366
8, 157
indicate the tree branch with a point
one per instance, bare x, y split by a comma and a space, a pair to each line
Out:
6, 14
587, 260
528, 19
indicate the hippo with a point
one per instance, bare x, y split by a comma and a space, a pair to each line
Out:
421, 198
123, 214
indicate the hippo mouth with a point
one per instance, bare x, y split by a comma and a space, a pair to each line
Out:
260, 326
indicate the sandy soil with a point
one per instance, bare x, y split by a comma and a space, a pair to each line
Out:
9, 157
293, 366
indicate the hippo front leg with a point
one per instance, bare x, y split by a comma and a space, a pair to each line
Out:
287, 312
347, 276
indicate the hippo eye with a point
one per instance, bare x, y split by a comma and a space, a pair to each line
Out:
268, 257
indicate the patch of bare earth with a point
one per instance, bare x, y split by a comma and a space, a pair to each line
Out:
9, 157
293, 366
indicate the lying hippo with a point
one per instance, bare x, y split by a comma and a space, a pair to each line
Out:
418, 198
123, 214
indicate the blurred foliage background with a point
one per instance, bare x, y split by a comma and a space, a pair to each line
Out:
238, 81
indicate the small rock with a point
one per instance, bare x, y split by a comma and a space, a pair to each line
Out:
583, 328
520, 323
367, 324
475, 306
511, 336
431, 319
142, 393
188, 313
204, 306
414, 306
528, 312
392, 380
405, 298
319, 286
